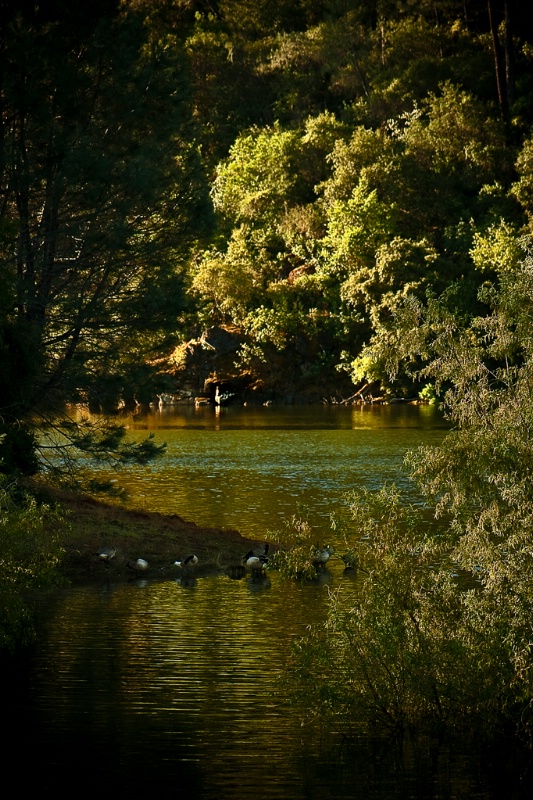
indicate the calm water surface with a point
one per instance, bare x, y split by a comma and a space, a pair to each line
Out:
250, 468
154, 689
158, 688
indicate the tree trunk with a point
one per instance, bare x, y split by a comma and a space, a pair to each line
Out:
499, 61
509, 56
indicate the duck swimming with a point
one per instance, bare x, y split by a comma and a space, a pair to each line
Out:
322, 556
256, 563
140, 565
106, 553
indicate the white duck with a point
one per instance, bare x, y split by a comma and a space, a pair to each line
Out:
256, 563
106, 553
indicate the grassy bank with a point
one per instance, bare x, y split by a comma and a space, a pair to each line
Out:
50, 538
159, 539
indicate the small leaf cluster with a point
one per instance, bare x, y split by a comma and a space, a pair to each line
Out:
30, 553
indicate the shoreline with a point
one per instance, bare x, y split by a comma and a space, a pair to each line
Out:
158, 538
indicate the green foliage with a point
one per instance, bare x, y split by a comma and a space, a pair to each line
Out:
497, 249
228, 92
369, 155
523, 188
228, 282
387, 221
18, 449
373, 654
318, 67
437, 630
428, 393
30, 552
355, 155
455, 134
300, 547
373, 172
356, 228
257, 180
69, 446
103, 197
496, 252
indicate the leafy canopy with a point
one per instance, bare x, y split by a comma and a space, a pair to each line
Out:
438, 628
103, 196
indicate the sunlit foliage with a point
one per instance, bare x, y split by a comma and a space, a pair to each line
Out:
302, 548
437, 630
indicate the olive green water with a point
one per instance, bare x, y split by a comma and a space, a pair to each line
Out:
250, 468
174, 689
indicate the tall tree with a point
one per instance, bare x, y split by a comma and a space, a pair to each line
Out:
101, 194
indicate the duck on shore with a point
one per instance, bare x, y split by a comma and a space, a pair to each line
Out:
106, 554
189, 561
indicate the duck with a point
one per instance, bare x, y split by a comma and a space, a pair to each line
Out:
140, 565
255, 562
322, 556
190, 561
349, 561
221, 398
106, 553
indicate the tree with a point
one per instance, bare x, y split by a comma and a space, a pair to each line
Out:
265, 277
102, 193
438, 630
31, 550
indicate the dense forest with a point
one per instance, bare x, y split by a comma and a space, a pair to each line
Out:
242, 194
291, 201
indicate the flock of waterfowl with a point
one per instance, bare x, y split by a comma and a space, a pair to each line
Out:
254, 563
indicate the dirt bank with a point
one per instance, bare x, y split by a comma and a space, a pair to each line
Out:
157, 538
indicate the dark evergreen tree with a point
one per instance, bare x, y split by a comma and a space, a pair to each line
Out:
101, 195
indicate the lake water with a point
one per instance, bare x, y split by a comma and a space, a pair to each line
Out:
160, 688
249, 468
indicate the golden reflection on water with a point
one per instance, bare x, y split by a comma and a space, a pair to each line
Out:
202, 664
151, 689
251, 468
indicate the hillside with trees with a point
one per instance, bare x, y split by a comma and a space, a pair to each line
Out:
388, 159
235, 194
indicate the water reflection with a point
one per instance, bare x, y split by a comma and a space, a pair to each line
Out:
309, 417
158, 690
173, 685
173, 688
